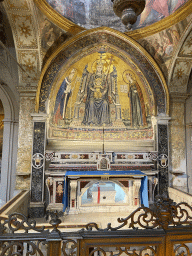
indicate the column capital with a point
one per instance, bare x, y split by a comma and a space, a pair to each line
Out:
179, 97
39, 117
162, 119
27, 90
137, 181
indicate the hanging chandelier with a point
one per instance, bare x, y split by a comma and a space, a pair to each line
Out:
128, 10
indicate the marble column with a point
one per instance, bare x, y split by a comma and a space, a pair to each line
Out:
163, 152
73, 196
37, 208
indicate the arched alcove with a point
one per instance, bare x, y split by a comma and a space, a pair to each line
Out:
120, 57
99, 92
9, 150
106, 40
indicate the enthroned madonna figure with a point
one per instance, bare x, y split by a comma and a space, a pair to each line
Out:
96, 93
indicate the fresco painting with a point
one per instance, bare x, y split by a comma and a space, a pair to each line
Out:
161, 45
49, 33
96, 13
100, 90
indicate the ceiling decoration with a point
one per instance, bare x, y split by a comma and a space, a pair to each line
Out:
28, 38
186, 49
162, 45
182, 64
75, 16
25, 32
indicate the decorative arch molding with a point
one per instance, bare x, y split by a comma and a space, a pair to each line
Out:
10, 134
87, 40
9, 103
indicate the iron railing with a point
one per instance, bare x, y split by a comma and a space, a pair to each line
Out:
164, 230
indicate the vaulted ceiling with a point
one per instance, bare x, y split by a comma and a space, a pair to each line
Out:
33, 33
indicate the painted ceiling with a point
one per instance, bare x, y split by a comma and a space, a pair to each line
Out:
96, 13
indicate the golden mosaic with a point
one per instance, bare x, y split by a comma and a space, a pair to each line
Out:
101, 90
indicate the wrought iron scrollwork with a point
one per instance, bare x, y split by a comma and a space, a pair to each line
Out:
18, 248
69, 247
100, 250
18, 221
164, 214
182, 215
115, 251
182, 250
142, 217
2, 226
91, 225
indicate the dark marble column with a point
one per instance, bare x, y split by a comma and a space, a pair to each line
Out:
163, 161
37, 167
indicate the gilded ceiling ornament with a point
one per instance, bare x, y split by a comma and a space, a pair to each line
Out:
25, 30
179, 73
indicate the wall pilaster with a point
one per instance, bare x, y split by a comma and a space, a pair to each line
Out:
178, 141
25, 135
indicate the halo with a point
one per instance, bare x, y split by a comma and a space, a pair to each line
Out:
63, 78
68, 73
94, 64
129, 72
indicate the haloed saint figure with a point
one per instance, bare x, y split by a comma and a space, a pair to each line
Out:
63, 96
96, 93
138, 115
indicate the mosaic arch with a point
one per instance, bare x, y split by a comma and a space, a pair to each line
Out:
95, 13
101, 80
